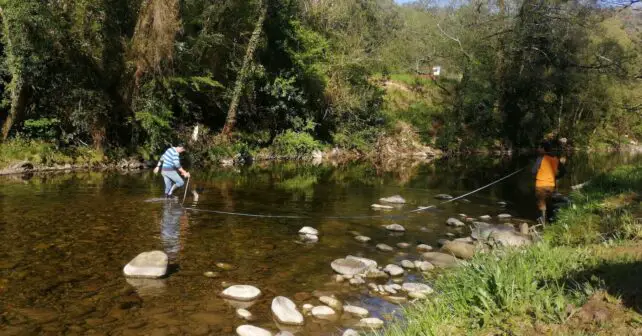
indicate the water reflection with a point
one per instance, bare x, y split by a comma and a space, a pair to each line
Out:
174, 226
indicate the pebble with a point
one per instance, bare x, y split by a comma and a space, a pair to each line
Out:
463, 216
371, 322
373, 286
524, 229
323, 312
395, 228
285, 311
501, 203
309, 238
307, 308
362, 239
393, 199
284, 333
450, 234
244, 314
250, 330
339, 278
468, 240
407, 264
225, 266
424, 248
350, 332
384, 248
212, 274
485, 217
403, 245
369, 262
356, 311
376, 274
394, 270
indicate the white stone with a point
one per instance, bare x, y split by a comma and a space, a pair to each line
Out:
331, 302
356, 311
285, 311
348, 266
501, 203
381, 207
310, 238
463, 216
350, 332
504, 216
395, 228
424, 248
244, 314
384, 248
485, 217
307, 308
241, 293
403, 245
393, 270
309, 230
393, 199
369, 262
455, 222
147, 265
323, 312
362, 239
371, 322
407, 264
250, 330
411, 287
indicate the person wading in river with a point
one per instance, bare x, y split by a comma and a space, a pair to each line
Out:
170, 164
547, 170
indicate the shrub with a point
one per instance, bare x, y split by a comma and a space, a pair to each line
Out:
295, 144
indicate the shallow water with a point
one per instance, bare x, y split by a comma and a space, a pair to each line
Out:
64, 240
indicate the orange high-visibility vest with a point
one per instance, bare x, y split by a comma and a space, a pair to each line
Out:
547, 172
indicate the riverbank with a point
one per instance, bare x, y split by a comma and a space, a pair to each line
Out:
581, 278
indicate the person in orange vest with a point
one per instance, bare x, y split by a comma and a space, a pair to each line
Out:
547, 170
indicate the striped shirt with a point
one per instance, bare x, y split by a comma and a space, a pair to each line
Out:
170, 159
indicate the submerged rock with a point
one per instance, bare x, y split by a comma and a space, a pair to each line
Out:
241, 293
348, 266
381, 207
307, 308
310, 238
371, 322
440, 259
331, 302
357, 281
244, 314
444, 197
323, 312
356, 311
362, 239
285, 311
384, 248
393, 199
309, 230
459, 249
393, 270
454, 222
147, 265
250, 330
395, 228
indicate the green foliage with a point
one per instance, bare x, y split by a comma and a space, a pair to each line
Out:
42, 129
292, 144
46, 154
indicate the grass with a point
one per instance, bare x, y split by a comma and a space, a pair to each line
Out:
592, 248
45, 154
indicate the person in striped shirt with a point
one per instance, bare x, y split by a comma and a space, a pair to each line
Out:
170, 164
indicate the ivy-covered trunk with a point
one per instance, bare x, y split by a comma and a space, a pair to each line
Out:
17, 86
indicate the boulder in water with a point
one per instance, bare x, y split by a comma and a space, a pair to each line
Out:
454, 222
309, 230
241, 293
348, 266
393, 199
394, 270
250, 330
150, 265
285, 311
407, 264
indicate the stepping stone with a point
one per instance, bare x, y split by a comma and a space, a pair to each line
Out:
150, 265
241, 293
369, 262
348, 266
285, 311
393, 199
250, 330
390, 289
394, 270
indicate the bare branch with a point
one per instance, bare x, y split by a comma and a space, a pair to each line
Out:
461, 47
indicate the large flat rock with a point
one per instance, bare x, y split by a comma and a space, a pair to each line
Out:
285, 311
150, 265
241, 293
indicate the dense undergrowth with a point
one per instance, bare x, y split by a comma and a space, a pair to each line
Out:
516, 291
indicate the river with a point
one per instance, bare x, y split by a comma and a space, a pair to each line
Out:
64, 239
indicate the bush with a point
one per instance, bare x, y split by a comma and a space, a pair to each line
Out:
295, 144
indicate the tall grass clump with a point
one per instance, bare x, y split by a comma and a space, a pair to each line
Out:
497, 287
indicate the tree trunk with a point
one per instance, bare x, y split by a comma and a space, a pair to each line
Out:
17, 87
230, 121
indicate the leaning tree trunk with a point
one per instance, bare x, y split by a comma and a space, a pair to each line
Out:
17, 86
230, 121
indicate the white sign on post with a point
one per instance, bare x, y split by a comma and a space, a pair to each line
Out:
436, 70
